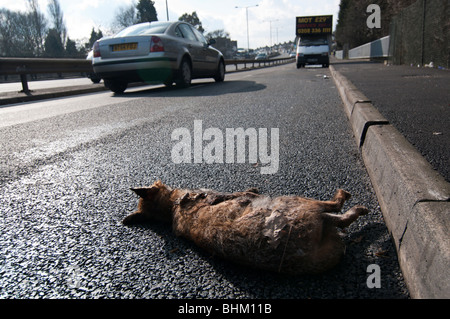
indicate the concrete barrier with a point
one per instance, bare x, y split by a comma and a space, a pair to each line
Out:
375, 49
414, 198
378, 49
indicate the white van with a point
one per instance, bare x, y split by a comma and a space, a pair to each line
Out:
313, 50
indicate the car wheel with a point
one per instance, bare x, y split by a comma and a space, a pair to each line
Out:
185, 74
116, 86
220, 75
94, 78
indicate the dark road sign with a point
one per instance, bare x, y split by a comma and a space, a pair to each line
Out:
314, 25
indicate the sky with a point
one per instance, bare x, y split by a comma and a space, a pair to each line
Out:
272, 21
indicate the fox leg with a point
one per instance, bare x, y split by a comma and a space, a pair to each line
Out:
346, 219
336, 203
134, 218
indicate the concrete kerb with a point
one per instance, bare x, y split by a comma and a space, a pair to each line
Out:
364, 115
13, 97
414, 198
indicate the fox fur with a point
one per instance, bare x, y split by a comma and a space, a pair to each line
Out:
286, 234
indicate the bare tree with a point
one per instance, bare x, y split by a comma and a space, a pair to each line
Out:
38, 26
125, 16
14, 36
143, 11
57, 19
22, 33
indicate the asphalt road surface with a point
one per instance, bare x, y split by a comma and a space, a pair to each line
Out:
414, 100
67, 165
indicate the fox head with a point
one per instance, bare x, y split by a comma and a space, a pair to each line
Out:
154, 204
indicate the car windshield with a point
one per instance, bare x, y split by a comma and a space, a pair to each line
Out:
144, 29
310, 42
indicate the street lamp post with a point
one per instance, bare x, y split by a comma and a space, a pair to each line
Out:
167, 11
270, 27
248, 38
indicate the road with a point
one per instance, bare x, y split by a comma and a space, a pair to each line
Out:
66, 166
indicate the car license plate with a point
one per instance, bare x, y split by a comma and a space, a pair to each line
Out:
124, 47
312, 60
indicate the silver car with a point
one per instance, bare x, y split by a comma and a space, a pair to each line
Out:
156, 52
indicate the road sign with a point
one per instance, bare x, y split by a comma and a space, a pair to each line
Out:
314, 25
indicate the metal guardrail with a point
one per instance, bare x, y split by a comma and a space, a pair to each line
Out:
259, 62
25, 66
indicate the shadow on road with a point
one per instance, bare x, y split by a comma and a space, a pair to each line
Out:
198, 89
269, 285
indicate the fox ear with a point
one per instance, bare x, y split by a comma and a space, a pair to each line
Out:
145, 192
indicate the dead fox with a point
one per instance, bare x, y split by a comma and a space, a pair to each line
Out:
286, 234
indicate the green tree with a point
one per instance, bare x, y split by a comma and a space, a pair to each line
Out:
217, 34
94, 37
71, 49
146, 11
53, 45
192, 19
